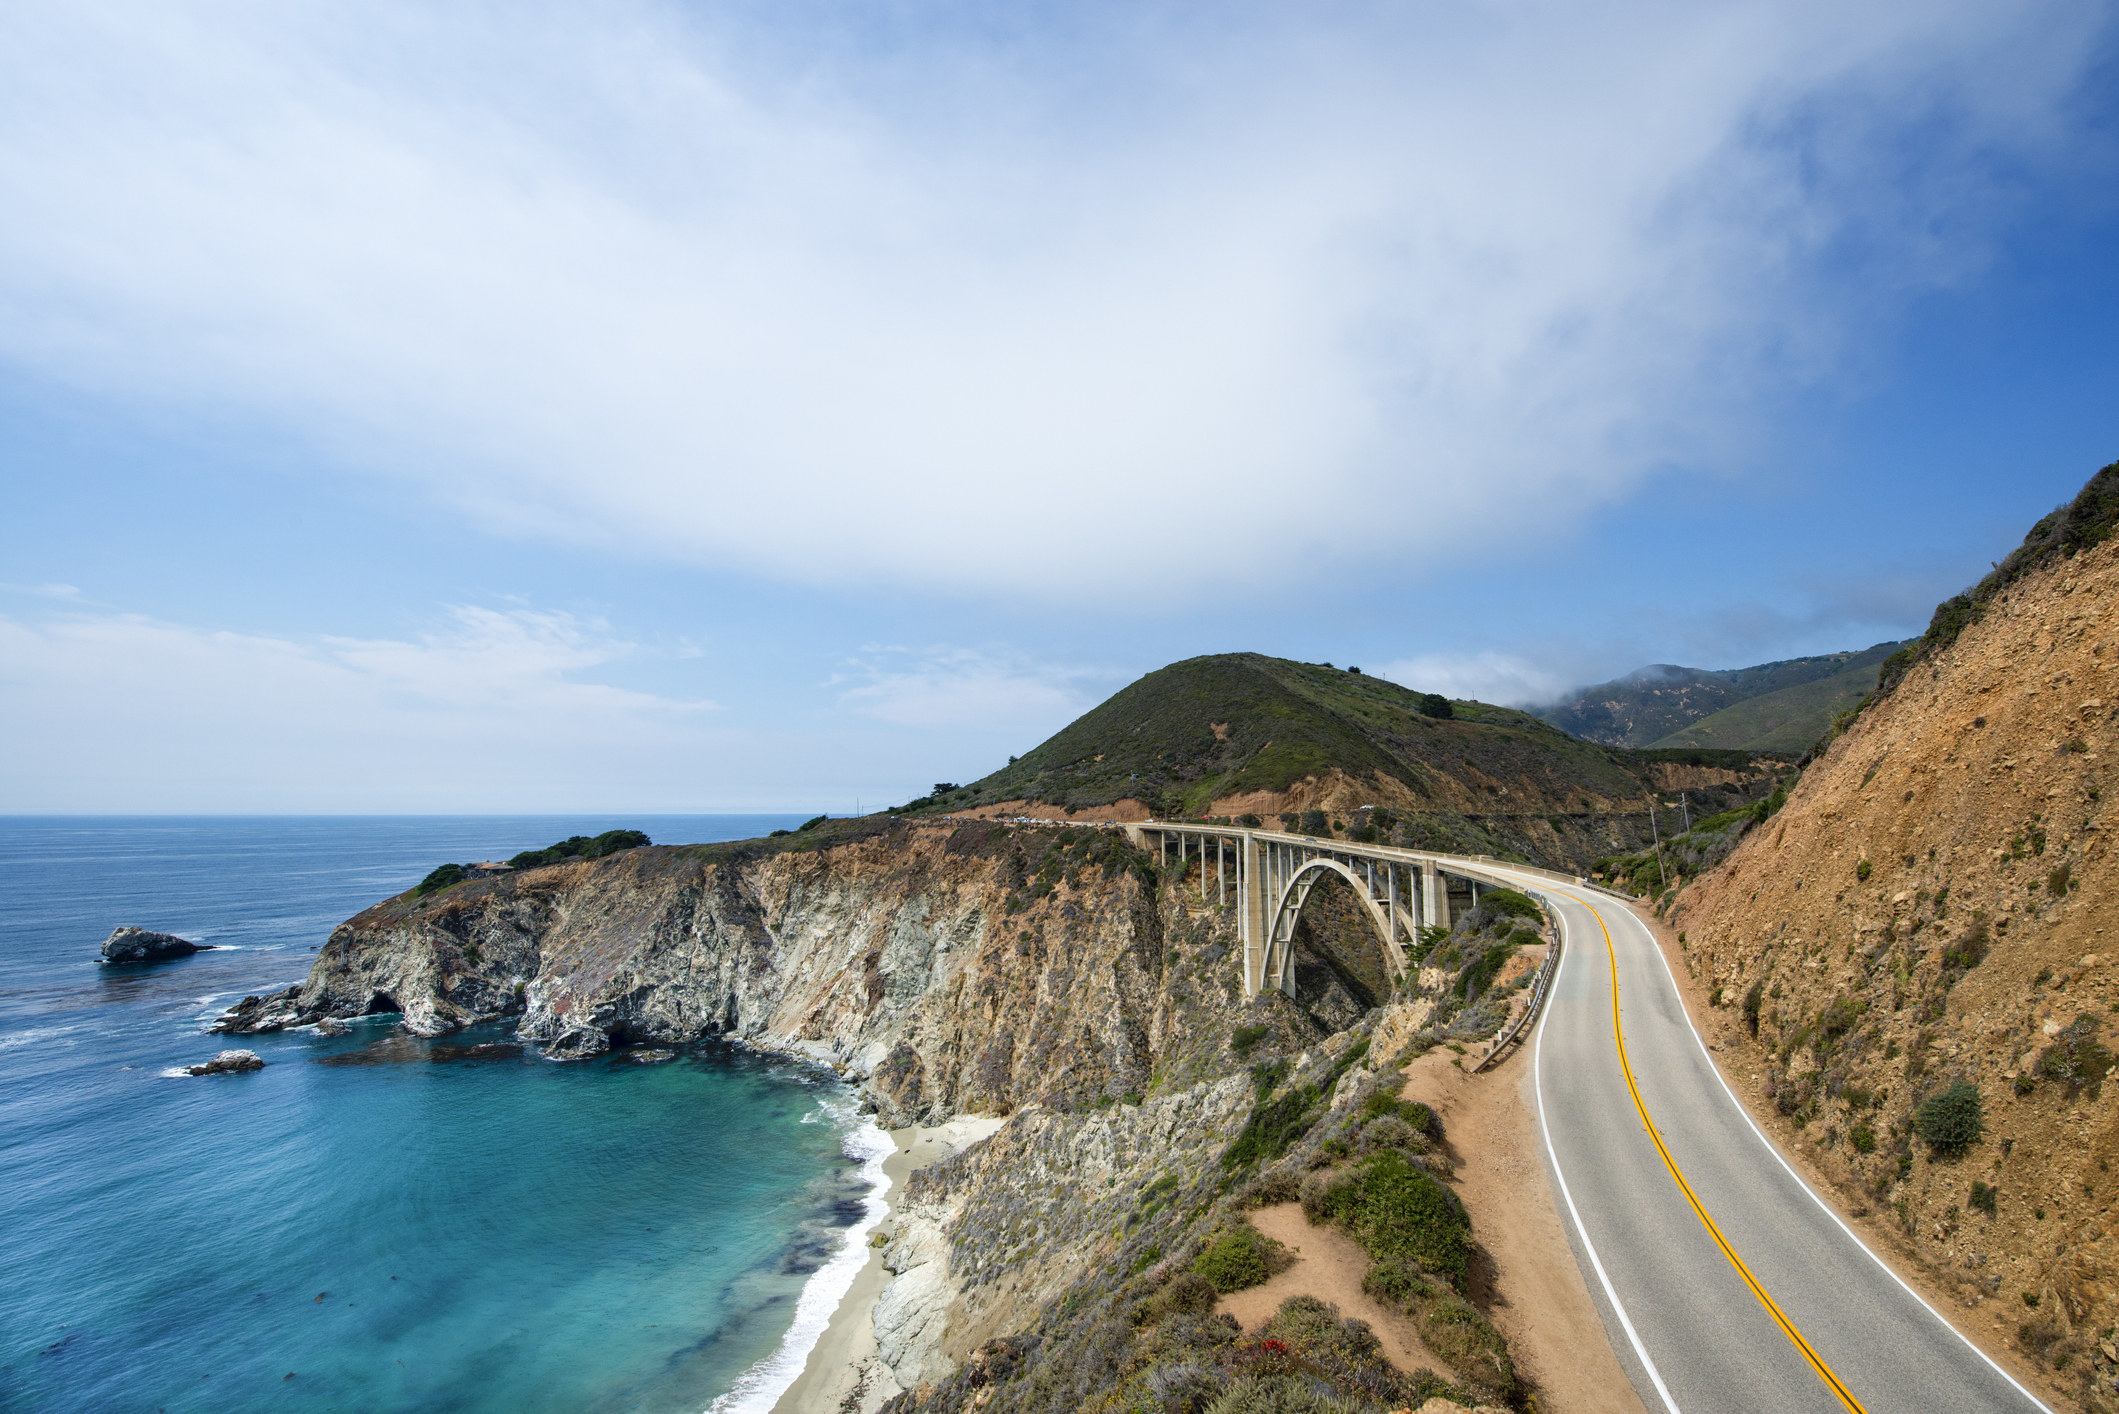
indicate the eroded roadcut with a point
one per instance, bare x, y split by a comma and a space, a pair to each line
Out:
1732, 1288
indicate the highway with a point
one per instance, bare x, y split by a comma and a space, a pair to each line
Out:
1726, 1284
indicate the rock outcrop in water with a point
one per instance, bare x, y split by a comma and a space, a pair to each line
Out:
130, 944
229, 1063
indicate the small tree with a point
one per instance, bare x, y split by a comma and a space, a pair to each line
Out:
1434, 704
1951, 1120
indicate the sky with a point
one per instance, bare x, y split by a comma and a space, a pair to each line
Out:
671, 407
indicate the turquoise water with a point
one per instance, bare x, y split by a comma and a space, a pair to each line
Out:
373, 1222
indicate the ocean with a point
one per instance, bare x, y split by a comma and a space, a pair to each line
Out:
375, 1221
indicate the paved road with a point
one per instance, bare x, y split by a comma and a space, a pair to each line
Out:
1701, 1336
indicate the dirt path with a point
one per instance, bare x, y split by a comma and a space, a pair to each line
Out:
1329, 1266
1533, 1289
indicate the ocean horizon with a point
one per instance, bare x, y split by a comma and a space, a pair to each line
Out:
378, 1220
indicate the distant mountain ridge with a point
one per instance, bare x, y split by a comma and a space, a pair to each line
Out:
1777, 707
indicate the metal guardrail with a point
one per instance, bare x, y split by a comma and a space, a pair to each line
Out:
1515, 1029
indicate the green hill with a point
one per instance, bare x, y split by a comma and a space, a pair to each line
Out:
1789, 721
1488, 778
1659, 704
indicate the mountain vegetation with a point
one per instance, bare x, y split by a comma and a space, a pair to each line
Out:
1330, 750
1781, 707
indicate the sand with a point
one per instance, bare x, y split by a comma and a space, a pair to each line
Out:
844, 1371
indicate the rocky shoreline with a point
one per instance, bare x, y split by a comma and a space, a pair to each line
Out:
1064, 1027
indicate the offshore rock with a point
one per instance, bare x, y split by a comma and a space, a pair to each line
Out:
275, 1011
228, 1063
130, 944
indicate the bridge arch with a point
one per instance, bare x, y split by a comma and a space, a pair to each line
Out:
1287, 912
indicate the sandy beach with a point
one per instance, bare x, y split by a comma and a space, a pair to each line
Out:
843, 1371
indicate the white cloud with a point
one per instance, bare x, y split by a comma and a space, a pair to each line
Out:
491, 711
999, 695
1502, 678
1002, 312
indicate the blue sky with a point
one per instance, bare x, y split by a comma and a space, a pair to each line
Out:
680, 407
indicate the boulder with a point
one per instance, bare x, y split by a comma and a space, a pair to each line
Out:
275, 1011
228, 1063
130, 944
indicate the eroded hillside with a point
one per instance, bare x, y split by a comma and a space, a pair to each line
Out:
1913, 960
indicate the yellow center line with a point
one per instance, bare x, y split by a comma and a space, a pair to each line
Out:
1787, 1326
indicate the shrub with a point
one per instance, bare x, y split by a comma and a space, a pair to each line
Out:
1250, 822
1388, 1132
582, 847
1951, 1120
1966, 953
441, 878
1243, 1038
1394, 1210
1753, 1000
1241, 1257
1434, 704
1863, 1138
2077, 1058
1273, 1128
812, 824
1474, 979
1397, 1281
1468, 1341
2059, 879
1984, 1197
1509, 903
1862, 871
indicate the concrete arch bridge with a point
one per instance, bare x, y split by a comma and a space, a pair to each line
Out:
1270, 875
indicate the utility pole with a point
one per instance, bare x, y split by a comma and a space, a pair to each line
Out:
1685, 806
1657, 834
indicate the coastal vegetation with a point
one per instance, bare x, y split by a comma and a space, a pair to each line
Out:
570, 848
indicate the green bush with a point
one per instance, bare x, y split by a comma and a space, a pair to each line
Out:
1243, 1038
1434, 704
581, 847
1240, 1258
441, 878
1273, 1128
1951, 1120
1863, 1138
812, 824
1509, 903
1753, 1000
1394, 1210
1863, 870
1985, 1197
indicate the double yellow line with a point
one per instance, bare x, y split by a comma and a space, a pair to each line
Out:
1795, 1337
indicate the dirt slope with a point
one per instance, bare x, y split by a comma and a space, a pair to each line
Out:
1931, 908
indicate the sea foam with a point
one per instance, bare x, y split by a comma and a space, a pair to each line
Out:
759, 1388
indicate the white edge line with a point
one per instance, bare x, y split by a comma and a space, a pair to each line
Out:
1537, 1070
1823, 1206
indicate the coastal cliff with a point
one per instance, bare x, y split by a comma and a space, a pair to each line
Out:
1056, 976
952, 970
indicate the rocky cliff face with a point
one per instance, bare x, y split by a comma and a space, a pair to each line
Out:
1932, 908
1054, 976
955, 970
